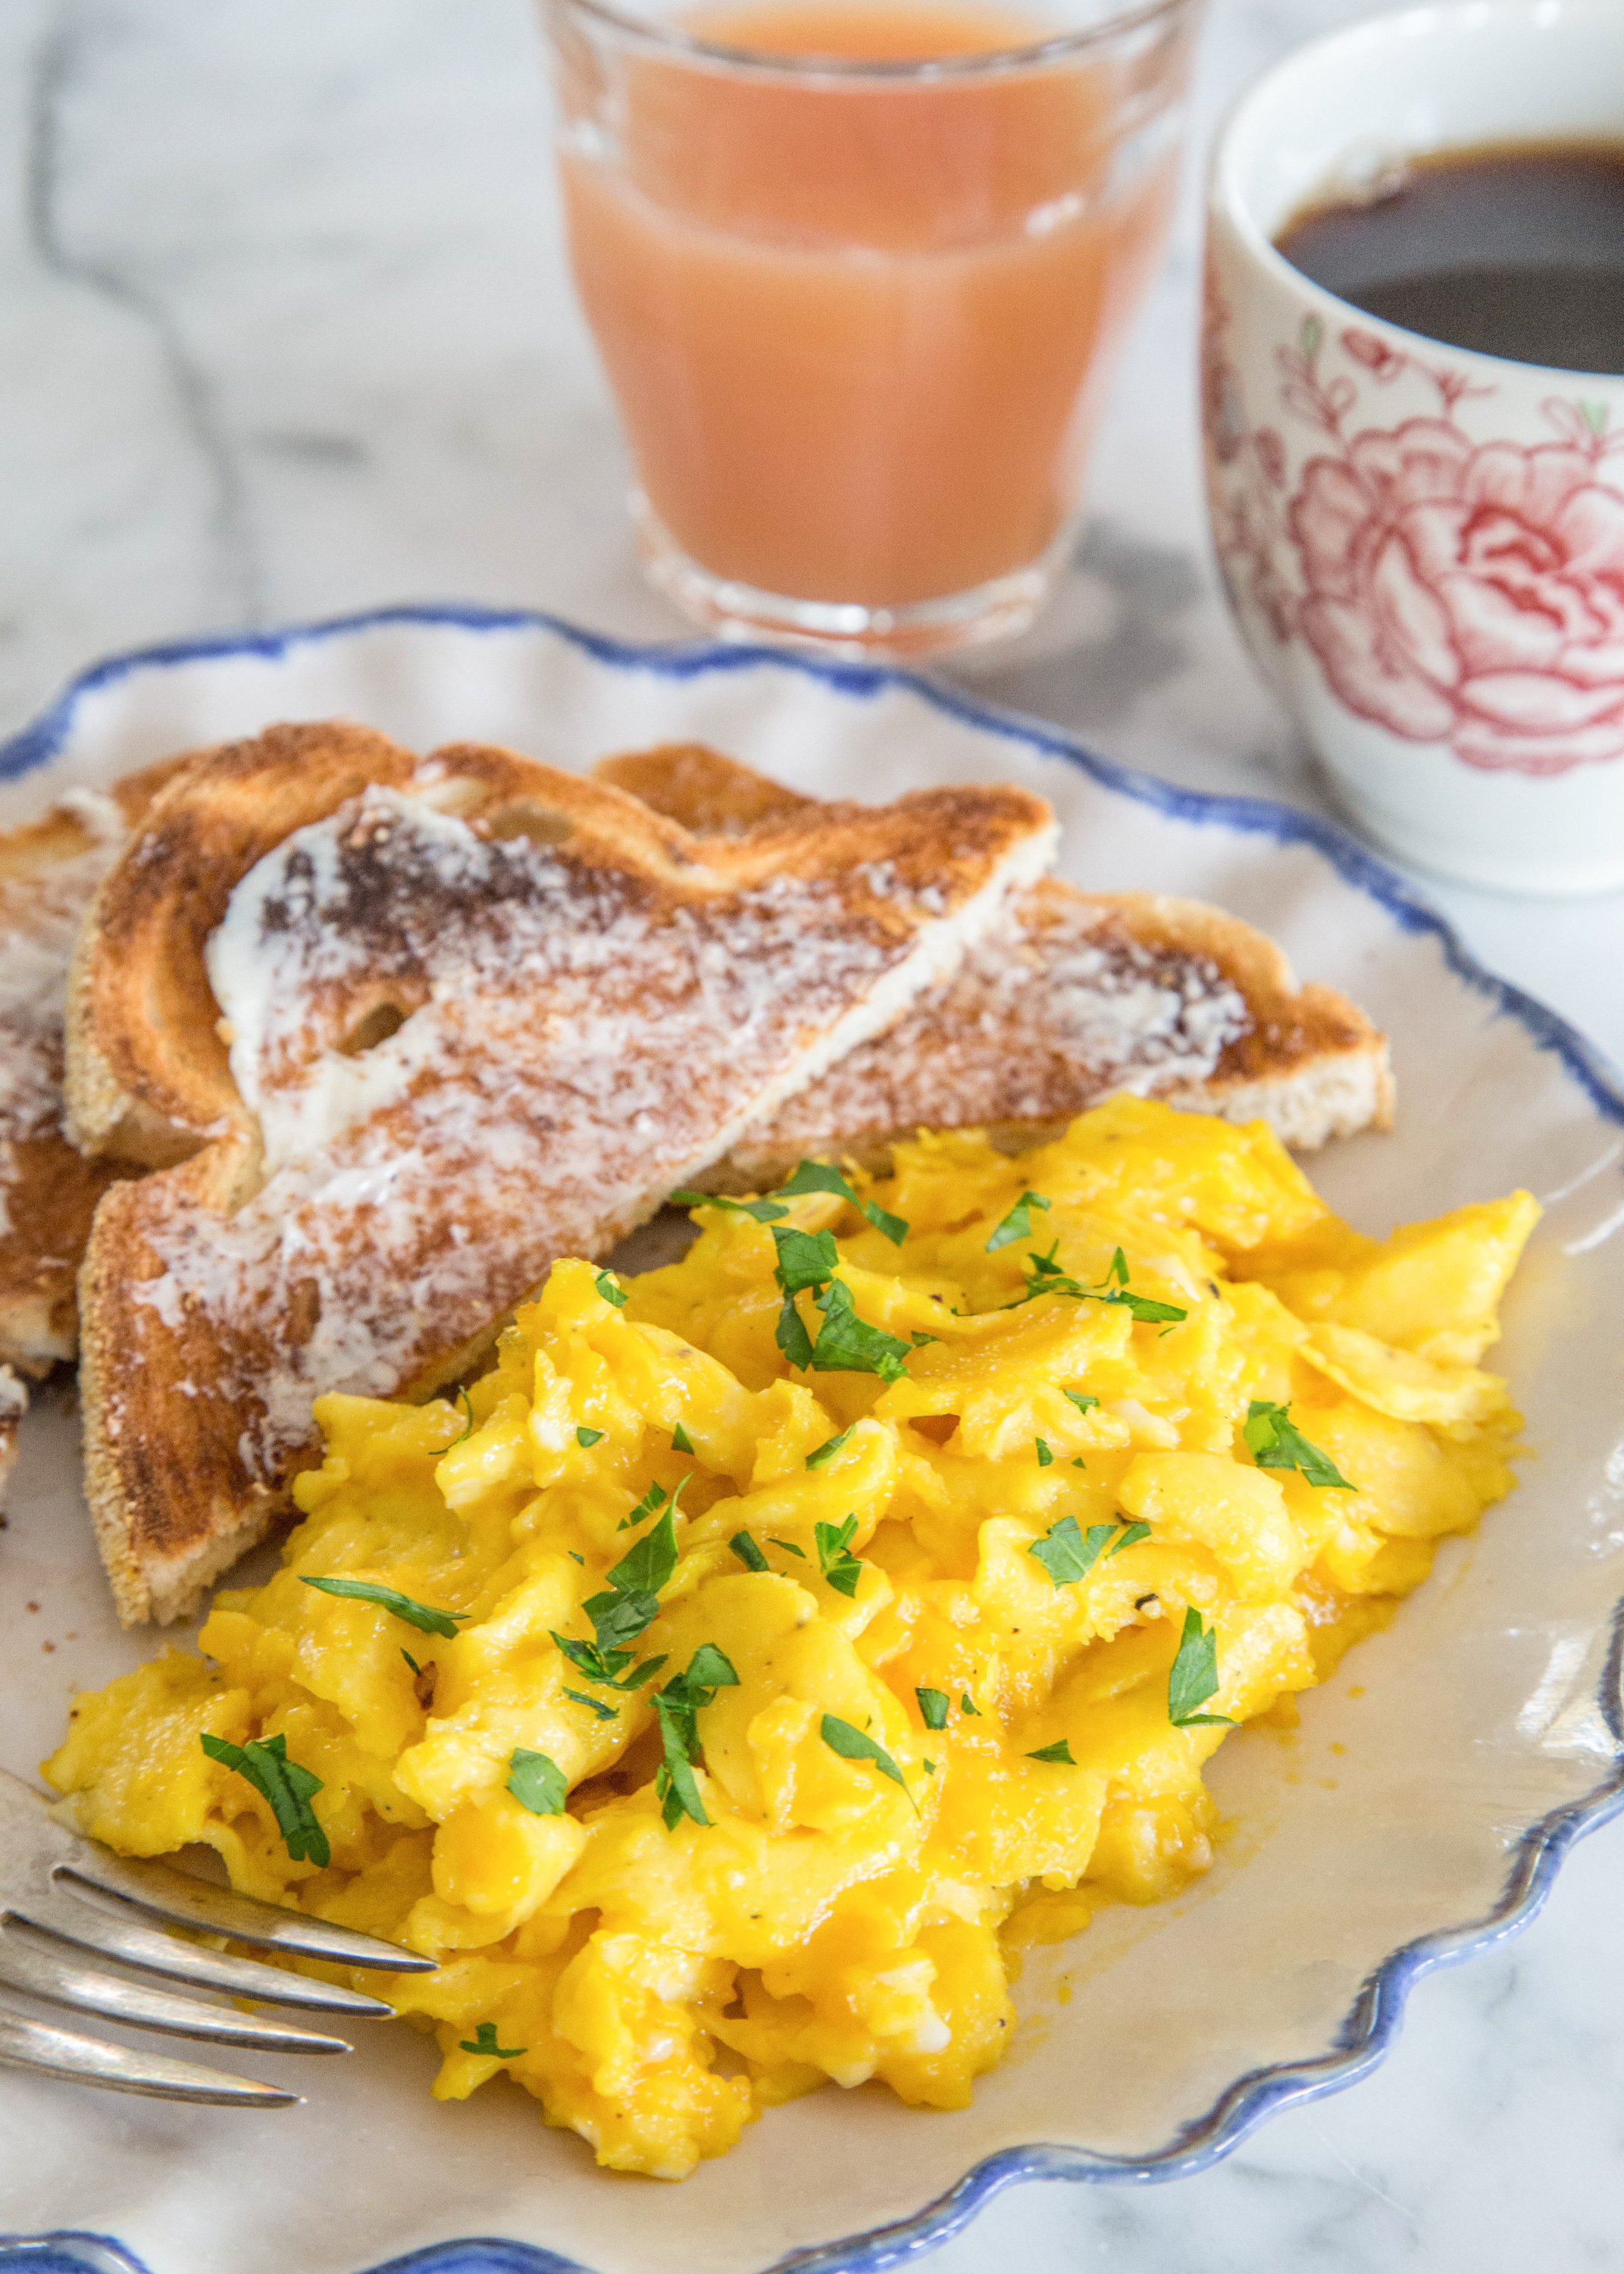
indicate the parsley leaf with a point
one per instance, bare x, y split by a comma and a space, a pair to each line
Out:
1081, 1399
1061, 1752
681, 1442
608, 1667
1067, 1552
655, 1497
537, 1782
287, 1788
484, 2041
839, 1566
411, 1661
749, 1553
1044, 1276
1274, 1442
677, 1708
467, 1429
648, 1563
593, 1705
1018, 1223
1064, 1553
788, 1546
806, 1259
604, 1283
854, 1745
827, 1450
1045, 1459
421, 1616
847, 1344
763, 1211
823, 1177
933, 1706
1193, 1677
968, 1704
585, 1436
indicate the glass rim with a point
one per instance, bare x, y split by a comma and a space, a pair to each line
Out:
671, 38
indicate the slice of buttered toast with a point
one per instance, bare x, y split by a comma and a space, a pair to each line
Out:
49, 875
394, 1034
1070, 996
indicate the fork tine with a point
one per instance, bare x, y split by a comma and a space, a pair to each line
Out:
187, 1901
92, 1925
28, 1963
86, 2060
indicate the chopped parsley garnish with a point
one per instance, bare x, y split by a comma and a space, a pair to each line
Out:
1066, 1552
411, 1661
1274, 1442
655, 1497
929, 1767
605, 1284
763, 1211
1193, 1677
1018, 1223
677, 1708
681, 1442
845, 1343
1081, 1399
823, 1176
848, 1345
287, 1788
1045, 1459
1044, 1276
968, 1705
839, 1566
933, 1704
1061, 1752
827, 1450
749, 1553
421, 1616
484, 2042
537, 1782
788, 1546
585, 1436
596, 1706
856, 1746
467, 1430
629, 1603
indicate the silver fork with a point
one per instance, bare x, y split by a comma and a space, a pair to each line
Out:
68, 1907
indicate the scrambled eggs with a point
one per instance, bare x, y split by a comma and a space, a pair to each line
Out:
760, 1642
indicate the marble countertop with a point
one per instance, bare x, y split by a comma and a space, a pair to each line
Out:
285, 330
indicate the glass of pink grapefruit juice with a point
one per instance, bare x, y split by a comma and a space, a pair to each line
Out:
858, 271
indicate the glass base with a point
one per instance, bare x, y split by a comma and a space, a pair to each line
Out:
917, 629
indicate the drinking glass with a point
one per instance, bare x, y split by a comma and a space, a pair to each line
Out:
858, 271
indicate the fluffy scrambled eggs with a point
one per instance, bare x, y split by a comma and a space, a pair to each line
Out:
761, 1640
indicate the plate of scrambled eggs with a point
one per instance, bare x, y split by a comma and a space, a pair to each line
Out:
1004, 1667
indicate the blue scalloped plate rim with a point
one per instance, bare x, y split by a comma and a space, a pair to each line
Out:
1373, 2021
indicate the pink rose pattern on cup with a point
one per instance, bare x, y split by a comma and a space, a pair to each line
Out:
1455, 592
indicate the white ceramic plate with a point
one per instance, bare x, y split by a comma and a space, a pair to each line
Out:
1420, 1811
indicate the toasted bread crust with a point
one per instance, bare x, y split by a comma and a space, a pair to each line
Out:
1024, 1036
49, 873
607, 1000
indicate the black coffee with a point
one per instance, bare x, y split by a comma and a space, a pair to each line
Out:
1515, 250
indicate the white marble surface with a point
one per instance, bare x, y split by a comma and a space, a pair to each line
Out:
284, 330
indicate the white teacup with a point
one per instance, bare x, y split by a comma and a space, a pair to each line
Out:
1425, 548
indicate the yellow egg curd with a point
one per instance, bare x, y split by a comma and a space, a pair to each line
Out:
714, 1685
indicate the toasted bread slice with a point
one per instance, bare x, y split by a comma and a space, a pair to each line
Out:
472, 1015
1071, 995
48, 874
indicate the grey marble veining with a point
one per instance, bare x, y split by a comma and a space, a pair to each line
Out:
284, 330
